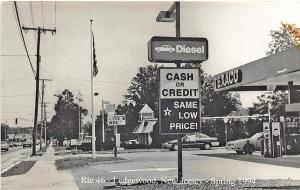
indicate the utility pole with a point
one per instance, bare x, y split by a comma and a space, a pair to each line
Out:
45, 125
43, 105
37, 77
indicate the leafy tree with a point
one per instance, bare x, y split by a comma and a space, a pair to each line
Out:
276, 100
281, 40
64, 124
217, 103
4, 129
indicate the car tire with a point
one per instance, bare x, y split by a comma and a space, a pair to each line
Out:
207, 146
175, 147
248, 149
239, 152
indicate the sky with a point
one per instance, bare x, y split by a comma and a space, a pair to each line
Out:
237, 33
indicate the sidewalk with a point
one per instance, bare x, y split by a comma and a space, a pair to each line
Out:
43, 175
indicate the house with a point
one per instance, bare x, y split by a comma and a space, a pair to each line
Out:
145, 127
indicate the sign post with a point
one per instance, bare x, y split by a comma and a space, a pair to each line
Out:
179, 99
115, 120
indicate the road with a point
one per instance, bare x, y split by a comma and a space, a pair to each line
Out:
14, 155
163, 166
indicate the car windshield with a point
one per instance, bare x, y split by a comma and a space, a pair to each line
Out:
256, 136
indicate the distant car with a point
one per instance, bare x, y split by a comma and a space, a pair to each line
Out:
27, 143
4, 146
194, 140
248, 145
67, 143
18, 144
11, 144
167, 48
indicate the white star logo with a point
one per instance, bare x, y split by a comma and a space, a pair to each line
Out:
167, 112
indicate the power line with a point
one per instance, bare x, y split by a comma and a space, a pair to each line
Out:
21, 32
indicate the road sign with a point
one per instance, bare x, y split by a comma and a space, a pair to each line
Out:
179, 103
172, 49
113, 120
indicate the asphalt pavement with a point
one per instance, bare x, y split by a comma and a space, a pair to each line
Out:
162, 166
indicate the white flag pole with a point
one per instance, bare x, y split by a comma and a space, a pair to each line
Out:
92, 97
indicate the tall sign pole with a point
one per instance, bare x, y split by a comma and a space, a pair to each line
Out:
178, 64
179, 89
37, 77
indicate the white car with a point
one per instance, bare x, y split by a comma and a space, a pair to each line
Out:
248, 145
4, 146
167, 48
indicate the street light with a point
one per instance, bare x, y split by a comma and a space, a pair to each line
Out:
167, 16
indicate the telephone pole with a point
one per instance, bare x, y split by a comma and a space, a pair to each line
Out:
37, 77
43, 105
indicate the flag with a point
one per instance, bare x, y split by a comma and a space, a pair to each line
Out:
95, 69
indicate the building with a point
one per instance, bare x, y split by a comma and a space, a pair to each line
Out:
280, 71
144, 129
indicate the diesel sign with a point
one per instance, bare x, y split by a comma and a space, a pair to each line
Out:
172, 49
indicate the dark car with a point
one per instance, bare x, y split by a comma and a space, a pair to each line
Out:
194, 140
27, 144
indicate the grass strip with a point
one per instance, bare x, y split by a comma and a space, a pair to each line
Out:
19, 169
75, 162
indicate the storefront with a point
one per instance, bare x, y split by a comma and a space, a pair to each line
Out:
280, 71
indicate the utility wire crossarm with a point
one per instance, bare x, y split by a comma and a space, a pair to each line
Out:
37, 79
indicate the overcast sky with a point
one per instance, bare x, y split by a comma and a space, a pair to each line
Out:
237, 32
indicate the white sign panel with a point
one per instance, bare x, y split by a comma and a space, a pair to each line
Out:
116, 120
179, 102
179, 83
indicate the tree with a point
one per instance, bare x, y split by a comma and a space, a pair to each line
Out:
281, 40
64, 124
4, 129
276, 100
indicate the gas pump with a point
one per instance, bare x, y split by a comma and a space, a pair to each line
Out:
267, 139
276, 139
272, 139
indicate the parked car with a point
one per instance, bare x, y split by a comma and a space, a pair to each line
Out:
194, 140
67, 143
248, 145
4, 146
18, 144
27, 143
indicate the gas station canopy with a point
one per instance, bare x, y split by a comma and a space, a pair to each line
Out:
274, 72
